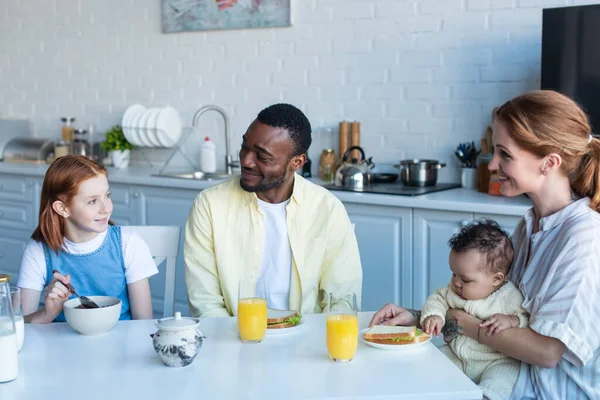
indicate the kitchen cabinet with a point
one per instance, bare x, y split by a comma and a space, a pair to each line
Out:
19, 208
385, 244
12, 246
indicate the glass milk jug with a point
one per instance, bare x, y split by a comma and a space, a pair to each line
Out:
9, 366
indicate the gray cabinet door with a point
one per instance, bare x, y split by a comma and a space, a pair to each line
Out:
384, 242
12, 246
167, 207
432, 230
128, 206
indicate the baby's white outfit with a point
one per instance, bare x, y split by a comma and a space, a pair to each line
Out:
495, 373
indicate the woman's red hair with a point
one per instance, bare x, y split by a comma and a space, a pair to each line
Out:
61, 183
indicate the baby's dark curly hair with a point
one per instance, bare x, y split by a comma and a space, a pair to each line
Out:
291, 118
486, 236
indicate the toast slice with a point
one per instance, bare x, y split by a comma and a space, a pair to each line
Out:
277, 319
395, 335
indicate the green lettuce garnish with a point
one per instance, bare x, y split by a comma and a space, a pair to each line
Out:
294, 320
398, 339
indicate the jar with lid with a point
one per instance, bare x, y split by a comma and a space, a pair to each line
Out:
9, 362
61, 149
67, 130
81, 145
327, 165
483, 172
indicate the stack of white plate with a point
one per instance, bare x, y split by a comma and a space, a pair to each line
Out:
151, 127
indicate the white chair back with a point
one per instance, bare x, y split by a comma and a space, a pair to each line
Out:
163, 242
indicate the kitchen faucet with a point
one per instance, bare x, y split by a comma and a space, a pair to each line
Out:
229, 163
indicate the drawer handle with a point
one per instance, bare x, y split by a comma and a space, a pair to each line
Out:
30, 184
464, 222
136, 194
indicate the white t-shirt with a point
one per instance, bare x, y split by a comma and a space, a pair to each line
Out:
276, 260
136, 254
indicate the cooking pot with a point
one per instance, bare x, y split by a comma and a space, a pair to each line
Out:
418, 172
354, 175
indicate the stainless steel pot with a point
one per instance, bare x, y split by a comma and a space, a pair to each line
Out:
418, 172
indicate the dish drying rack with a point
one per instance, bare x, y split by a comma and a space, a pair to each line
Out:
175, 147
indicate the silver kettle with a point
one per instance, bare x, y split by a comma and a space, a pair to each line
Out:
354, 175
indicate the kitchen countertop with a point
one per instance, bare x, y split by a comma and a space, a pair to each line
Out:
465, 200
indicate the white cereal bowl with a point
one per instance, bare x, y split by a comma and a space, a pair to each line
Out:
93, 321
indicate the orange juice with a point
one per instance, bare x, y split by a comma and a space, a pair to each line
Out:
342, 336
252, 319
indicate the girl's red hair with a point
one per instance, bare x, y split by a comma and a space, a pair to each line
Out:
61, 183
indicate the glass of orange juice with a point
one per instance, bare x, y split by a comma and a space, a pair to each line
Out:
342, 327
252, 310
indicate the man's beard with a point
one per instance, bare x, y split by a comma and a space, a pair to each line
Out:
263, 186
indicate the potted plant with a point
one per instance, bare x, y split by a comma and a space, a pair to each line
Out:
119, 149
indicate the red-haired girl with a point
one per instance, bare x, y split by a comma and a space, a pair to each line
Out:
74, 237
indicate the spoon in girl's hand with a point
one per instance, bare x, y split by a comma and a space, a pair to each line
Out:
86, 302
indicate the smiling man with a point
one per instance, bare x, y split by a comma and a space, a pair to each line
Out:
272, 223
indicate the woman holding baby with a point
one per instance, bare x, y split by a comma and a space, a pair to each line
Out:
543, 148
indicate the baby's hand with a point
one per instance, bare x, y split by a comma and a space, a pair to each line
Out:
500, 322
433, 325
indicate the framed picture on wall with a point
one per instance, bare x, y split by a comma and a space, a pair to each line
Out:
204, 15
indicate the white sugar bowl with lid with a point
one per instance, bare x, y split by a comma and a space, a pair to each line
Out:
177, 340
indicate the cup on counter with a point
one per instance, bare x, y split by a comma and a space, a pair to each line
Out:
342, 327
252, 310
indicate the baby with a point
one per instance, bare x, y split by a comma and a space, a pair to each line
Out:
480, 259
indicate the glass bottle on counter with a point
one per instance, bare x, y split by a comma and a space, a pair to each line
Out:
327, 165
67, 132
9, 361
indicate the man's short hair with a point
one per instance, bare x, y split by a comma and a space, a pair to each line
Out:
486, 236
288, 117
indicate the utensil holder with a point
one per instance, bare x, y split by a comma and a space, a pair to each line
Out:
468, 178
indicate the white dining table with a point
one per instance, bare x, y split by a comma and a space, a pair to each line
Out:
58, 363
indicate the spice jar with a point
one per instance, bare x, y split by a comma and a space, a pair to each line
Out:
494, 185
327, 165
61, 149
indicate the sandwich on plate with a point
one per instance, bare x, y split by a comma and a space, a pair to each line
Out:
397, 335
277, 319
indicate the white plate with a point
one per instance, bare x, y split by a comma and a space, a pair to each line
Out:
396, 347
151, 127
129, 113
142, 131
168, 127
133, 131
283, 331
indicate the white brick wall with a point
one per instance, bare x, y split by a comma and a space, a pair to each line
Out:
420, 75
